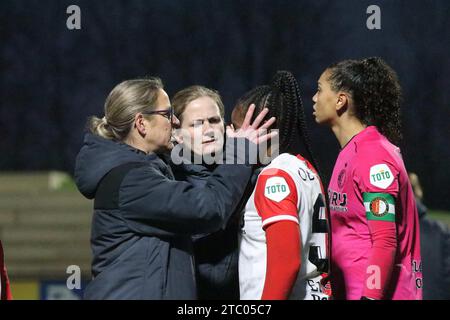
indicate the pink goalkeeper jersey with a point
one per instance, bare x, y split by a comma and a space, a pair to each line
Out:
369, 163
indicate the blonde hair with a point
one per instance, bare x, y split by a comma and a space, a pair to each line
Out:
121, 106
184, 97
415, 184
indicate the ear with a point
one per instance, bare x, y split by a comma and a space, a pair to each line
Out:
140, 124
342, 101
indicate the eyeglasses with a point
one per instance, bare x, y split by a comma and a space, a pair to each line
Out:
168, 113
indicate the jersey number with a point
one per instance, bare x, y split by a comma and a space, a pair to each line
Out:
318, 226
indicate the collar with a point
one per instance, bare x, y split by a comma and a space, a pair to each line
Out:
361, 135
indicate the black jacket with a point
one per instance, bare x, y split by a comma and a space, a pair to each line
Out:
435, 251
216, 254
143, 219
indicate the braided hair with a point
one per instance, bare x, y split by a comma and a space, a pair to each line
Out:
284, 102
375, 91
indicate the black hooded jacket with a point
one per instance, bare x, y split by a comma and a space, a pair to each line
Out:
143, 219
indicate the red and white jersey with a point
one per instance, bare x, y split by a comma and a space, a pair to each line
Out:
286, 181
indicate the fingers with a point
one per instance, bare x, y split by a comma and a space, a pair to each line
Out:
248, 117
266, 137
259, 118
268, 123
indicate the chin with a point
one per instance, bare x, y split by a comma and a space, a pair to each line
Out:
318, 120
211, 149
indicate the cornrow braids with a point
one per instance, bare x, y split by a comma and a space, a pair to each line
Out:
287, 115
292, 115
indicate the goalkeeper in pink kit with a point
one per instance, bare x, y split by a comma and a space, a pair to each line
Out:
375, 230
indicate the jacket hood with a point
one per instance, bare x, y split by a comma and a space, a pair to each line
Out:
97, 157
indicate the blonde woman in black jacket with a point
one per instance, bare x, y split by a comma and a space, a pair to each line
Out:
143, 218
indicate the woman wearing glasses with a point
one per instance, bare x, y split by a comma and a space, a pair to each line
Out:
143, 218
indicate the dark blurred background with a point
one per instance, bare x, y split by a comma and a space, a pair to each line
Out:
52, 78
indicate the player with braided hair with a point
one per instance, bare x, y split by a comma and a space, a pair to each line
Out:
291, 123
284, 234
376, 245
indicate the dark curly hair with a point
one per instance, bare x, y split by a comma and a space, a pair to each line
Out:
375, 90
284, 102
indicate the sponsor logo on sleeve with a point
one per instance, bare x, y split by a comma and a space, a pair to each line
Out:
276, 189
381, 176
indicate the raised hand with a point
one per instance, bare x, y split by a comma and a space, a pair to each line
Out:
253, 132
